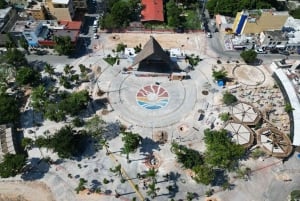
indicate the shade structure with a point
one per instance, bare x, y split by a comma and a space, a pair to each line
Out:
240, 133
274, 142
246, 113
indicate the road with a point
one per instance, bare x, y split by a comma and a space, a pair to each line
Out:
51, 59
216, 44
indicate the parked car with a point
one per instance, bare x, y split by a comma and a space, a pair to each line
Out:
260, 51
96, 36
286, 53
274, 51
208, 35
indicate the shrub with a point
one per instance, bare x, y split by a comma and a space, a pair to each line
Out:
105, 181
77, 122
229, 99
224, 116
257, 153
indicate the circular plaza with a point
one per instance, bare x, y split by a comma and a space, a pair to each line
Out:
151, 101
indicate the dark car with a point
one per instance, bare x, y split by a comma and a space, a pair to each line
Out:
179, 29
286, 53
274, 51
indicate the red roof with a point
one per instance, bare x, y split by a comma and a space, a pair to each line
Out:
47, 42
153, 10
71, 25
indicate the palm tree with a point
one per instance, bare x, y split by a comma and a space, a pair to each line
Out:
39, 97
118, 171
63, 80
49, 69
26, 143
152, 174
190, 196
104, 143
152, 190
68, 69
82, 68
126, 150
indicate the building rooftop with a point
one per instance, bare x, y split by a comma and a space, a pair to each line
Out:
276, 37
292, 26
267, 21
3, 12
293, 99
60, 1
70, 25
255, 22
153, 10
20, 26
6, 141
36, 6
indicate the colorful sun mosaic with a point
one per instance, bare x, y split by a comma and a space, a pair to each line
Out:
152, 97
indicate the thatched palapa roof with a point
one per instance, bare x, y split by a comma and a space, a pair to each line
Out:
151, 50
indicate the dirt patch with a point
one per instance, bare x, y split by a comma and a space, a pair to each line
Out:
167, 41
25, 191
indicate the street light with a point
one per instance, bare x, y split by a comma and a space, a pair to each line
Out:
152, 127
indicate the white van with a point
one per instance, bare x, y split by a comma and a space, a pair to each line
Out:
95, 24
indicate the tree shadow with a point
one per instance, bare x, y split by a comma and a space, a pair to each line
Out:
127, 193
95, 184
139, 159
222, 179
35, 170
38, 64
107, 192
256, 62
89, 150
112, 130
173, 191
148, 146
98, 104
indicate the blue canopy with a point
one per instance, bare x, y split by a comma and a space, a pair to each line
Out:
221, 83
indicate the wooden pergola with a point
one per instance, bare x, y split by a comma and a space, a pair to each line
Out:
274, 142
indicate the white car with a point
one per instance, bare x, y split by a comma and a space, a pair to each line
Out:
260, 51
208, 35
96, 36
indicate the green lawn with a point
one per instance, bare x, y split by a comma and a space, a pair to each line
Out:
111, 60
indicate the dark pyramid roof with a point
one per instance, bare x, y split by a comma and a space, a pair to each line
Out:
152, 47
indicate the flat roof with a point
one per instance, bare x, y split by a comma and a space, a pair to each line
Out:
73, 34
294, 101
70, 25
20, 26
60, 1
267, 21
153, 10
3, 12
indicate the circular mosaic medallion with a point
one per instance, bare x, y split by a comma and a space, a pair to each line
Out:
152, 97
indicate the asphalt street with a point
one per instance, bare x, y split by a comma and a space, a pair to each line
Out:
217, 45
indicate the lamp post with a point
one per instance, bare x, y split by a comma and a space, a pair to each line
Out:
152, 128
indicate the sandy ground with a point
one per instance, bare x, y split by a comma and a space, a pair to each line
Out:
25, 191
186, 42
